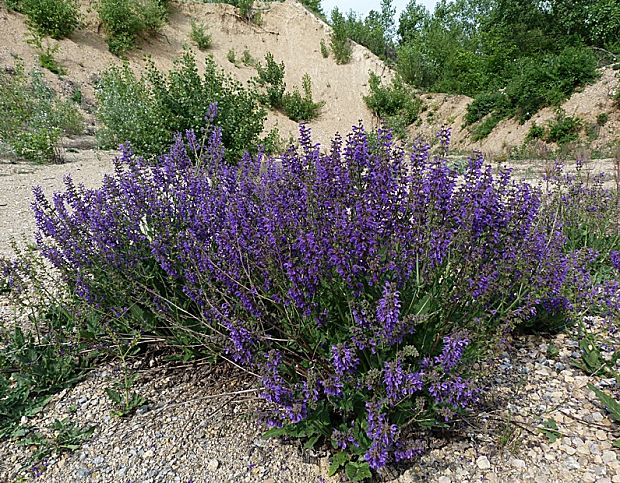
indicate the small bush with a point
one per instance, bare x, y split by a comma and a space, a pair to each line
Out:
247, 59
248, 11
301, 107
55, 18
125, 20
487, 103
35, 364
46, 54
602, 118
538, 83
535, 132
593, 131
147, 112
485, 127
324, 49
232, 56
200, 36
396, 104
563, 129
33, 117
270, 80
339, 40
550, 80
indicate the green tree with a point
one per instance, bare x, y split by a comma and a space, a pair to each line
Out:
411, 22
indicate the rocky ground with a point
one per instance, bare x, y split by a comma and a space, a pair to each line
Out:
200, 421
200, 425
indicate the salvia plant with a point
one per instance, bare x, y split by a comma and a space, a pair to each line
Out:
359, 285
590, 215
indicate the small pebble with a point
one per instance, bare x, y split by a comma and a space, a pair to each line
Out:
483, 463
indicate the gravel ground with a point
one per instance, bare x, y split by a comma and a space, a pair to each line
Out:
17, 179
200, 421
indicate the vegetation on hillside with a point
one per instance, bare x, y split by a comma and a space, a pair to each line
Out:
54, 18
125, 20
513, 57
272, 91
148, 111
34, 116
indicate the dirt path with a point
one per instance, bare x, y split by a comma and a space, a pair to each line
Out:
18, 178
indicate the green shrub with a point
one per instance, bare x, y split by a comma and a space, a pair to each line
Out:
535, 132
46, 54
486, 103
33, 117
592, 132
415, 66
396, 104
339, 40
538, 83
315, 7
76, 95
563, 129
485, 127
602, 119
56, 18
248, 11
247, 59
464, 74
147, 112
300, 107
324, 49
200, 36
550, 80
39, 362
270, 80
125, 20
13, 5
231, 56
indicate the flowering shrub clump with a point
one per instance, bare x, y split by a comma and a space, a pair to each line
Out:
590, 215
358, 284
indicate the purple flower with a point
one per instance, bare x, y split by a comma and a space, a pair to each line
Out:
453, 348
614, 257
382, 435
344, 359
388, 310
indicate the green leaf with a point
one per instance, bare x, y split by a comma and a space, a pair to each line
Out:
338, 460
550, 430
616, 443
274, 433
38, 407
591, 359
612, 406
312, 441
113, 395
357, 471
